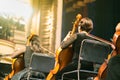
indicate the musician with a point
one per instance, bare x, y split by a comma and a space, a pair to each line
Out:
33, 45
113, 71
84, 28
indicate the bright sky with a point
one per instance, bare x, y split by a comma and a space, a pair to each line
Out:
16, 8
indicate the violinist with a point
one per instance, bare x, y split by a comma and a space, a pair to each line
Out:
85, 26
113, 71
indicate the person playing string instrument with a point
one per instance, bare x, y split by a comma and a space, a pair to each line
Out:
105, 68
85, 27
113, 71
32, 45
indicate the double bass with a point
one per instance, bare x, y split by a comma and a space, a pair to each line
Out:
62, 58
102, 70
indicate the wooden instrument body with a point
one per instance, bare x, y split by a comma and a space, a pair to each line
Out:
17, 65
64, 58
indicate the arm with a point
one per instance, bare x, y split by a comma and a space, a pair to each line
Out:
15, 53
18, 52
68, 41
22, 50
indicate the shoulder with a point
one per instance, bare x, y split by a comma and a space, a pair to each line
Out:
81, 34
74, 36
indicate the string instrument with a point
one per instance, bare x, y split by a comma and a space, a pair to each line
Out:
17, 65
102, 70
63, 56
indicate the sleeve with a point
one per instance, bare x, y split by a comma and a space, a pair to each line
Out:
69, 41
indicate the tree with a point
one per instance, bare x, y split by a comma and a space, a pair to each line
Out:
7, 26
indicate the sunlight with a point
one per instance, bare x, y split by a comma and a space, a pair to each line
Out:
16, 8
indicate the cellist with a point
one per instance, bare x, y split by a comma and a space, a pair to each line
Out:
113, 71
32, 45
85, 27
104, 69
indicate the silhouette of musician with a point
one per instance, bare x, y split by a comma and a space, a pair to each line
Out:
84, 28
113, 71
32, 45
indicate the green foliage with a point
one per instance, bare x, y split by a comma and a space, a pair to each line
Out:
8, 25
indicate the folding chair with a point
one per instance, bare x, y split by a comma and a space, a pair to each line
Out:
40, 63
91, 51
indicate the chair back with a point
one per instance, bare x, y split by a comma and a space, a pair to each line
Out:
41, 62
94, 51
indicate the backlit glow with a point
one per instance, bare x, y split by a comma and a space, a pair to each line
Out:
16, 8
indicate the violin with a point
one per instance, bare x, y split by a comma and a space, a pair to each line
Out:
62, 58
102, 70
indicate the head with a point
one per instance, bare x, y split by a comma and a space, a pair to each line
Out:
85, 24
35, 43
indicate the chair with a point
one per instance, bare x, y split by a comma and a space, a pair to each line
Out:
40, 63
91, 51
5, 69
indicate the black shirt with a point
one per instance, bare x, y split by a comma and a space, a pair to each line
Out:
27, 56
75, 40
113, 71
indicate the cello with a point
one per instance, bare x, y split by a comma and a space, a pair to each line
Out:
62, 58
17, 65
102, 70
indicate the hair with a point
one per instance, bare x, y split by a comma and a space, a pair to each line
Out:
35, 38
86, 24
35, 43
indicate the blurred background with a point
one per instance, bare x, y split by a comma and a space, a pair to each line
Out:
51, 20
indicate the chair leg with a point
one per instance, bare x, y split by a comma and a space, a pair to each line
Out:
78, 75
68, 73
28, 76
78, 69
